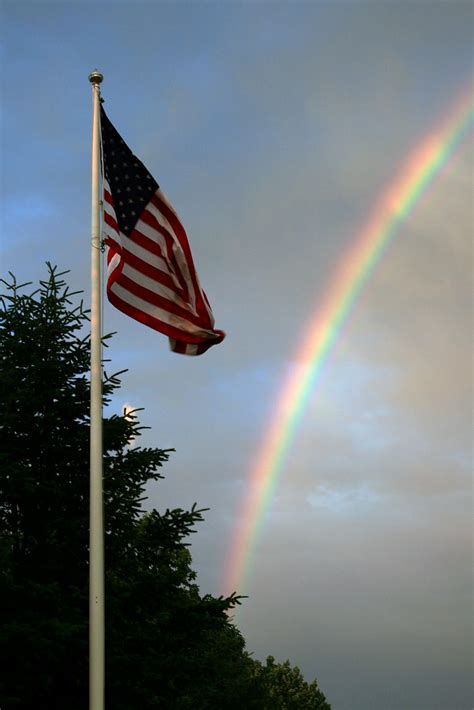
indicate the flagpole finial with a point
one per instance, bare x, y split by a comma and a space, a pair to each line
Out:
96, 77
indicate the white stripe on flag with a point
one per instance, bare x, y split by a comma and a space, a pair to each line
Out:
155, 312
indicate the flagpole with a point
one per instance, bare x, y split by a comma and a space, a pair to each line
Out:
96, 534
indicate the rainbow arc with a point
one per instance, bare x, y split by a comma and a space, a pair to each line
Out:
394, 205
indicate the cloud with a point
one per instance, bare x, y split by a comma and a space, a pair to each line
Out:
274, 129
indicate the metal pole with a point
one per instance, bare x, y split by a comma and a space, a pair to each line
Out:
96, 535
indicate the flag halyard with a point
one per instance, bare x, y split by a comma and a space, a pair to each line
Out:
151, 275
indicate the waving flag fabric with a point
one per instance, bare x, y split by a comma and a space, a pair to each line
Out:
150, 270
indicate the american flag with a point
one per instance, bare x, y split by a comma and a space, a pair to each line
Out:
150, 270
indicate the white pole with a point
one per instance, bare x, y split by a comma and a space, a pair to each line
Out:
96, 535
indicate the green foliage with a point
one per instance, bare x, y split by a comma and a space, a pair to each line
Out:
166, 645
286, 689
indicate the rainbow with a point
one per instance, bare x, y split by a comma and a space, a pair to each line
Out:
391, 209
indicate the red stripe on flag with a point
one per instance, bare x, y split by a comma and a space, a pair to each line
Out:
162, 327
111, 221
150, 219
182, 237
154, 248
151, 271
155, 299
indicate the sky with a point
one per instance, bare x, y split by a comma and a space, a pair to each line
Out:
274, 128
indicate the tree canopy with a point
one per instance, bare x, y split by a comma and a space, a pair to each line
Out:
167, 646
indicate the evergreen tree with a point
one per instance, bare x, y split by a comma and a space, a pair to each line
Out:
166, 645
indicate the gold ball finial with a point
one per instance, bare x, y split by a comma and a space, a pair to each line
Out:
96, 77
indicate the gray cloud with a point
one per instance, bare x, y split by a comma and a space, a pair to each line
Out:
273, 130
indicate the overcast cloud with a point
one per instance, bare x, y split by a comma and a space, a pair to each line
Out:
273, 127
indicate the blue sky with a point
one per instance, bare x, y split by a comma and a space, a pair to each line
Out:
273, 127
